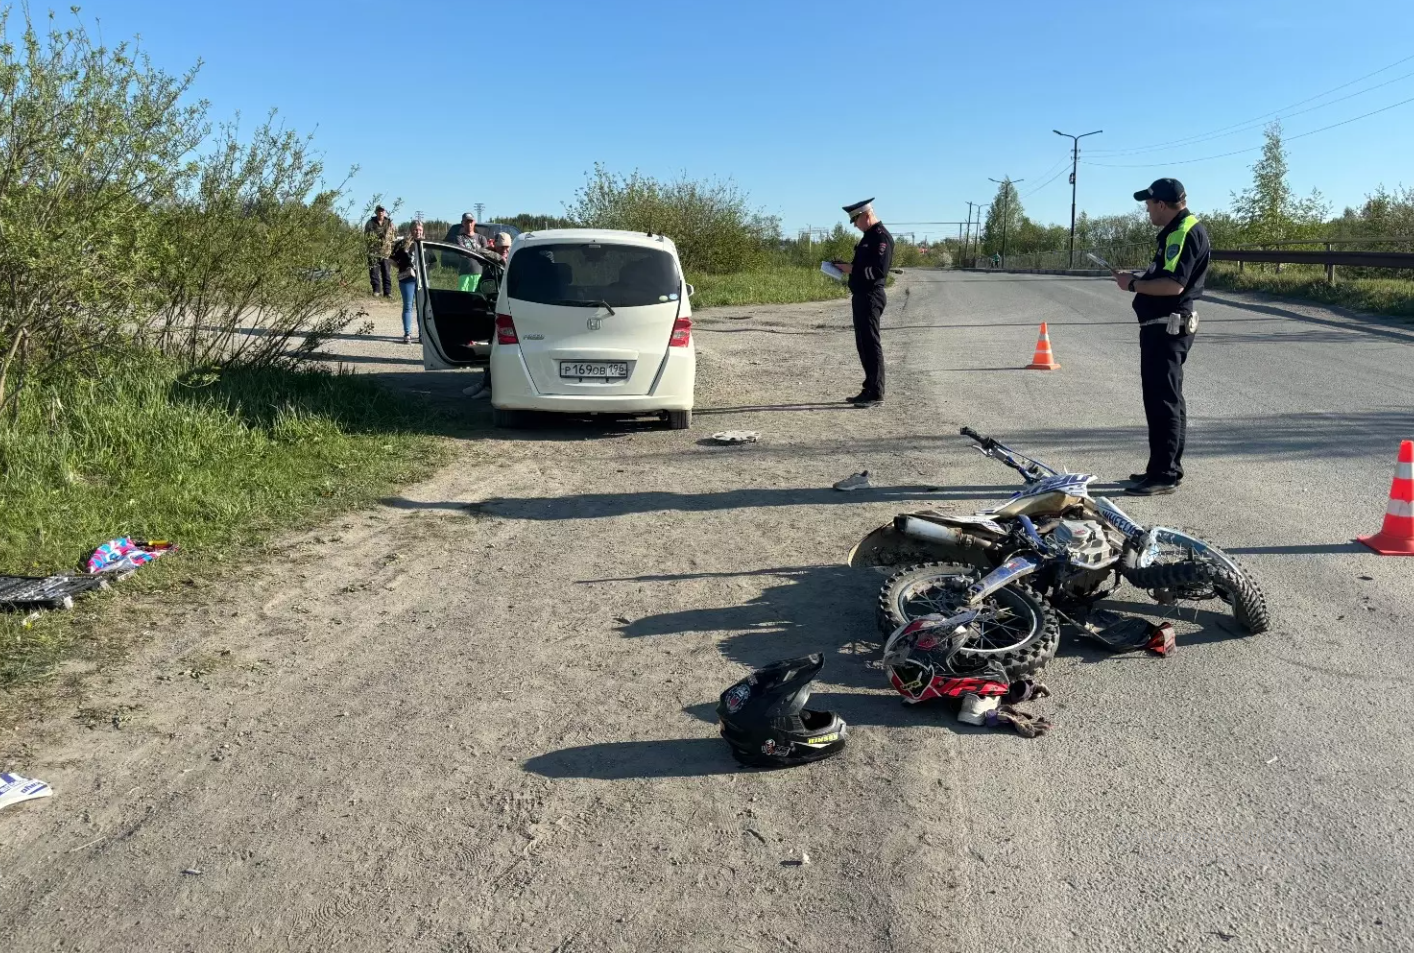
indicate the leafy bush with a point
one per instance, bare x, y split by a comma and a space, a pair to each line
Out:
93, 138
711, 223
253, 265
112, 237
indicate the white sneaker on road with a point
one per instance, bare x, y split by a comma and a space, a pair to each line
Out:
859, 481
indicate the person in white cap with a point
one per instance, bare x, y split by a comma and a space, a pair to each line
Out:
503, 245
466, 236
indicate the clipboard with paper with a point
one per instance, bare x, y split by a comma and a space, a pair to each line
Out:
830, 271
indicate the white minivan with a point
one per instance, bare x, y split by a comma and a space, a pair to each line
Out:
587, 321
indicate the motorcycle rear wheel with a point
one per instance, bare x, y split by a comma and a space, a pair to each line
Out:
1190, 576
1023, 642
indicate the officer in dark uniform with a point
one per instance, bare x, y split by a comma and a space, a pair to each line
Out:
867, 274
1164, 299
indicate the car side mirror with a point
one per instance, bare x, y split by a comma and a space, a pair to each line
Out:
691, 291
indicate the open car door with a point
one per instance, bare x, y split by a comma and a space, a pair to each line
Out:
456, 304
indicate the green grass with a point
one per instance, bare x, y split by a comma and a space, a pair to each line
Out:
786, 284
212, 462
1374, 295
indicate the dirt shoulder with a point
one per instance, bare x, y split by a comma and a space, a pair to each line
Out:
477, 717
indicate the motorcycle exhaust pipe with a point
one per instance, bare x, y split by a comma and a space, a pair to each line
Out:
915, 528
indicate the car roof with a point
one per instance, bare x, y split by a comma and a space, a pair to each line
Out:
585, 236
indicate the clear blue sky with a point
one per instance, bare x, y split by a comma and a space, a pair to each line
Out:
806, 104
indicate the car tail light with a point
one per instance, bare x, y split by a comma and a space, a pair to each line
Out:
682, 333
506, 330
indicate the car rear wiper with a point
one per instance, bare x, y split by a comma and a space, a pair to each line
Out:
584, 303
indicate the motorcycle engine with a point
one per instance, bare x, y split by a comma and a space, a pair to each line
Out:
1087, 543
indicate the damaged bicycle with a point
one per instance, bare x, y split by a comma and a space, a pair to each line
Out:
1000, 582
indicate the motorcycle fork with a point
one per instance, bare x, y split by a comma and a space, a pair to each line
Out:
1017, 567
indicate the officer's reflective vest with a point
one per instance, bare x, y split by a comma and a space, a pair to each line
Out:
1175, 242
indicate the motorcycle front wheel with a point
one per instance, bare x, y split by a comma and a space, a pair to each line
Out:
1022, 636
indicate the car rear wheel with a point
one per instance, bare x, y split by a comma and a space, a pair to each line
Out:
679, 419
506, 419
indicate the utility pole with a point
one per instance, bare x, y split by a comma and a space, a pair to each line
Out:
1006, 184
1074, 166
979, 224
967, 243
480, 208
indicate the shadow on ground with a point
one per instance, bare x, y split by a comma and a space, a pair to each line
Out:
605, 505
396, 402
828, 609
1351, 434
622, 760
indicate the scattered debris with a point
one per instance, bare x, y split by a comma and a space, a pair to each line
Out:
1023, 723
1120, 633
46, 592
125, 554
192, 872
622, 619
1272, 760
1366, 578
1161, 639
1223, 936
975, 709
14, 789
733, 437
755, 833
857, 481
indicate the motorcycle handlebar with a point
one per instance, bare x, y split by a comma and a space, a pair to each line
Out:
971, 434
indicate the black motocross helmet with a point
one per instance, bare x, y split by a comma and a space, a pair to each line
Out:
764, 719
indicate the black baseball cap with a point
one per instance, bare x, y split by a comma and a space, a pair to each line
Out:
1163, 190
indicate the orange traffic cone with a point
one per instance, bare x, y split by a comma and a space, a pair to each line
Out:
1396, 537
1043, 360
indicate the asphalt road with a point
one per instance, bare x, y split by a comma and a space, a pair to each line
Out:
479, 716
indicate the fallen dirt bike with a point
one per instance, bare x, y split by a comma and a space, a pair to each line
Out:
1003, 578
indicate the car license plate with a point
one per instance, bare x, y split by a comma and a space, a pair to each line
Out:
602, 369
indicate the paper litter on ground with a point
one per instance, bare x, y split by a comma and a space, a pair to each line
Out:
14, 789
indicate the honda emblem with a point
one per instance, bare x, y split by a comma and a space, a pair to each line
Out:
594, 324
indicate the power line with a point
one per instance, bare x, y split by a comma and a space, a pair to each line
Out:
1264, 116
1238, 152
1058, 164
1038, 188
1253, 125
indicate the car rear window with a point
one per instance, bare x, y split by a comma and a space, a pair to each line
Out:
624, 276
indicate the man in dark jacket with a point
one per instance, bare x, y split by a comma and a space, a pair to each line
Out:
380, 233
867, 274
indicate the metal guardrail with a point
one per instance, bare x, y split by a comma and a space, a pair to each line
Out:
1330, 258
1273, 253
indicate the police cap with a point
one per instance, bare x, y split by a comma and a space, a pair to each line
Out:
1163, 190
858, 208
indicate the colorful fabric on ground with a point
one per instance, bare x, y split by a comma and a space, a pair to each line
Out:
118, 555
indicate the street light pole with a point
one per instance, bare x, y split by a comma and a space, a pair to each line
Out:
1074, 166
1006, 184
